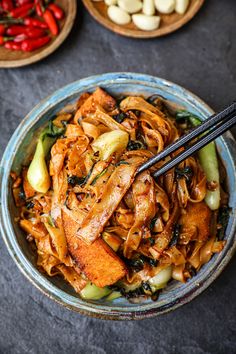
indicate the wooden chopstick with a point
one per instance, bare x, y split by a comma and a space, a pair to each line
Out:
220, 122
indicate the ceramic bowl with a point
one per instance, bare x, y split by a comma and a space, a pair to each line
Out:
21, 146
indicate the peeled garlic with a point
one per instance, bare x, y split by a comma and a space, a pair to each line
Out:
165, 6
181, 6
130, 6
146, 23
148, 7
110, 2
118, 15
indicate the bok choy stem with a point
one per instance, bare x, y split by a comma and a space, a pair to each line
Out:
209, 162
38, 175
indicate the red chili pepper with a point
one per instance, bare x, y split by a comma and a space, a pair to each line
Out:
38, 8
31, 44
14, 30
12, 46
2, 29
7, 5
34, 22
23, 2
21, 37
21, 11
31, 32
57, 11
51, 22
18, 38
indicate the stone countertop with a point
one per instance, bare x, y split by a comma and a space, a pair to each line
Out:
201, 57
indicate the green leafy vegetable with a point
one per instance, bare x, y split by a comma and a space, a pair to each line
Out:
119, 117
137, 264
144, 289
152, 241
137, 113
50, 221
22, 194
147, 288
222, 220
135, 145
133, 293
175, 235
30, 205
152, 223
186, 172
152, 262
186, 116
98, 176
74, 180
121, 163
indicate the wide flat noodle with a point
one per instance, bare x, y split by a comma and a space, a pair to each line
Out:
145, 208
164, 238
116, 187
98, 98
156, 116
108, 121
36, 230
59, 241
74, 278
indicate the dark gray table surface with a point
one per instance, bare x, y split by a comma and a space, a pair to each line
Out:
201, 57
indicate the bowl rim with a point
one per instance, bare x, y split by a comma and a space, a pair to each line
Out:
25, 266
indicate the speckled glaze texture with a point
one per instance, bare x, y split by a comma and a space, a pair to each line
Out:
18, 152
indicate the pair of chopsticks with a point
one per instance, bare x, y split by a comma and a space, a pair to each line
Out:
208, 131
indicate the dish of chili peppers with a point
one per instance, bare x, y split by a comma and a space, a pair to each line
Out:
29, 28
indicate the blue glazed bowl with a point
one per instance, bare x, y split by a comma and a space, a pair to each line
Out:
22, 144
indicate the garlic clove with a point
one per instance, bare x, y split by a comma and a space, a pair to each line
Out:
165, 6
110, 2
148, 7
130, 6
146, 23
181, 6
118, 16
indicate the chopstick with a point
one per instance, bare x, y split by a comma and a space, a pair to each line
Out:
221, 122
